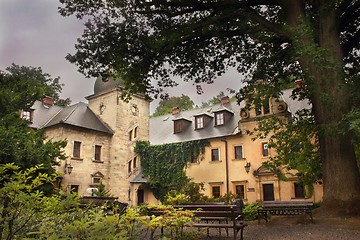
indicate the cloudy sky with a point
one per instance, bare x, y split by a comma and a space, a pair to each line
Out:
32, 33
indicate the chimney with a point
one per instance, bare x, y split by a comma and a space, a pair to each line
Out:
175, 110
48, 101
225, 100
298, 83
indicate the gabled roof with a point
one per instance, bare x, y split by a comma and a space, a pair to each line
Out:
162, 127
79, 115
43, 113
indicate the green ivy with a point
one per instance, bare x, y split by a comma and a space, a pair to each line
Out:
164, 165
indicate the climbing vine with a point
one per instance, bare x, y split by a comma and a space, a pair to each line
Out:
164, 165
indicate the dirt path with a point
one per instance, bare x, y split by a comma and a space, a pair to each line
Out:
299, 228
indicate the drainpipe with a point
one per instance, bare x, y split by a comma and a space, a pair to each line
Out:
226, 165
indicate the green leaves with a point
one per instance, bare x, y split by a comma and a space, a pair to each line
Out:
164, 165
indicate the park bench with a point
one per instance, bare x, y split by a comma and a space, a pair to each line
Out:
294, 207
218, 216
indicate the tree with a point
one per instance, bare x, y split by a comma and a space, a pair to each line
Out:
21, 144
36, 77
316, 41
166, 105
215, 100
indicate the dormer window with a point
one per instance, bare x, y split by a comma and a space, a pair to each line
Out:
219, 119
27, 115
181, 124
199, 121
178, 126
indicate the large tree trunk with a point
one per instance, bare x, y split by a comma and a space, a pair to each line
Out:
326, 82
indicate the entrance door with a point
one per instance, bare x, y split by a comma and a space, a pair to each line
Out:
140, 197
268, 190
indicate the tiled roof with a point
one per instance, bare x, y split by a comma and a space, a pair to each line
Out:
162, 127
79, 115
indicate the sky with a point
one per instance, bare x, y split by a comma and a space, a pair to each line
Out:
33, 33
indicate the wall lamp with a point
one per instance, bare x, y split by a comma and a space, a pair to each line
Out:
68, 168
247, 167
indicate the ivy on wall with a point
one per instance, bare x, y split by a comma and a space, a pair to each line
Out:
164, 165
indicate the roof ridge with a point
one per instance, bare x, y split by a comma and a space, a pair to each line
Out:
71, 112
52, 117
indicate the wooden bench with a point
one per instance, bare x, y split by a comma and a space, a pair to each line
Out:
215, 216
294, 207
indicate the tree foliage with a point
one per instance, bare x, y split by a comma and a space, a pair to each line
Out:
20, 201
40, 84
164, 165
216, 100
20, 144
166, 105
276, 40
297, 147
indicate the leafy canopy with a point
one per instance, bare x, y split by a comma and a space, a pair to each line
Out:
20, 144
166, 105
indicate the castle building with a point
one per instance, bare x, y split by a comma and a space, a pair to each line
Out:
102, 134
101, 137
233, 161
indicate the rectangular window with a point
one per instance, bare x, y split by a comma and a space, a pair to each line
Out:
130, 135
76, 150
216, 191
199, 122
265, 150
193, 158
27, 115
238, 152
266, 108
129, 166
135, 132
96, 180
134, 162
177, 126
258, 110
97, 156
219, 119
240, 191
215, 154
299, 190
74, 188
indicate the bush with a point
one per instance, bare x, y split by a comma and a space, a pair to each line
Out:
250, 211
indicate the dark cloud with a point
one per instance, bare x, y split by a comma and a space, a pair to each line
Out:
32, 33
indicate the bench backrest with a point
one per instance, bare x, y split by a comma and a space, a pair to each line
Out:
228, 211
288, 204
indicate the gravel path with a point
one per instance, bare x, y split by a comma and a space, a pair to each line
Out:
298, 228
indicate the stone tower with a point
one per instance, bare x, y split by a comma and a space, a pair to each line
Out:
129, 122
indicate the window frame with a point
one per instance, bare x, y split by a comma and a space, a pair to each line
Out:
243, 195
134, 164
212, 190
130, 166
135, 132
97, 148
178, 126
212, 155
242, 151
77, 146
199, 122
97, 182
297, 188
219, 118
265, 149
27, 115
